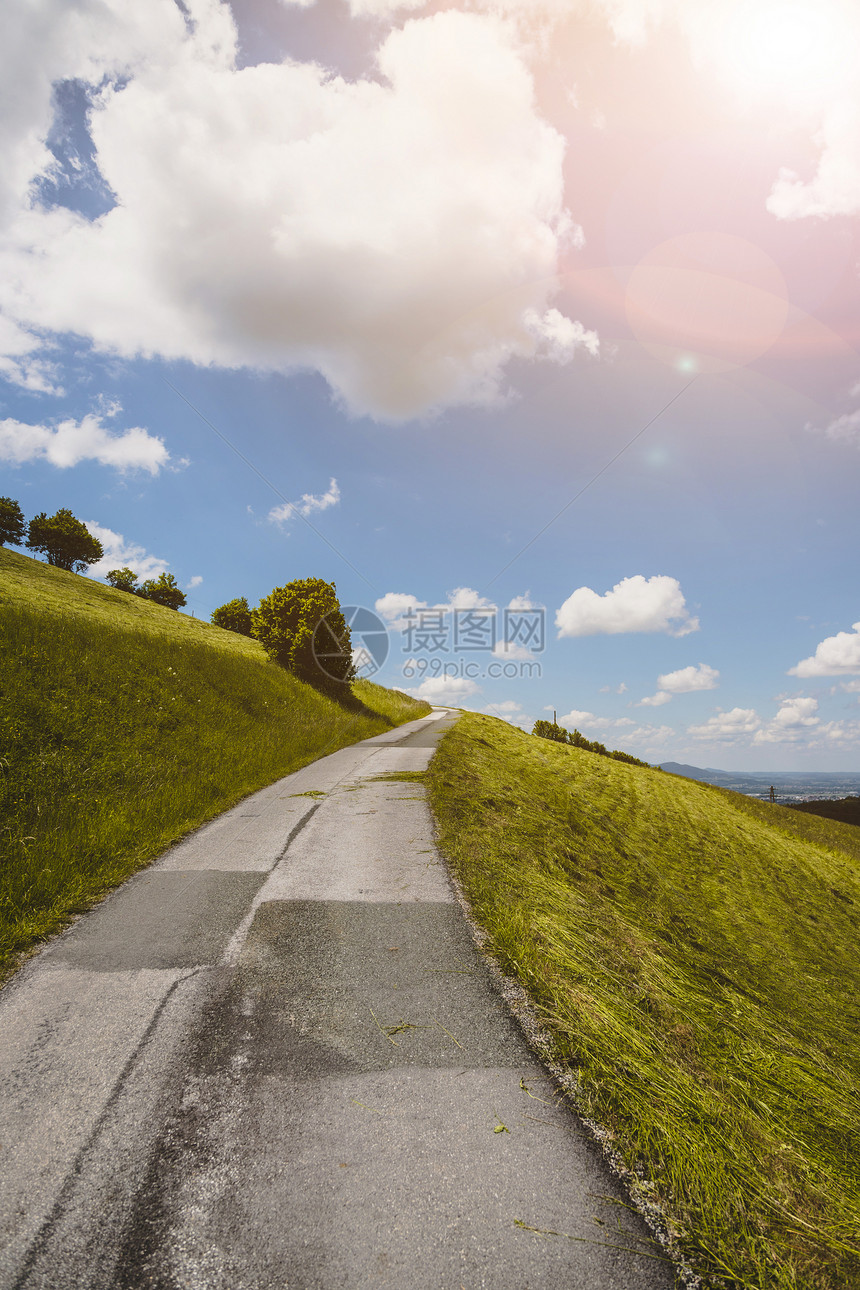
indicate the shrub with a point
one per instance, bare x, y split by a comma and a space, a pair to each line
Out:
551, 730
301, 627
65, 541
235, 616
163, 590
124, 579
12, 524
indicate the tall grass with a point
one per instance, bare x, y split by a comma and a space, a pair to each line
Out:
115, 741
694, 956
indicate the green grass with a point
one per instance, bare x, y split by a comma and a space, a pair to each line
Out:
123, 725
693, 955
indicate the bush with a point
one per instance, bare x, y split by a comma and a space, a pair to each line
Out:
124, 579
163, 590
12, 524
235, 616
66, 542
551, 730
301, 627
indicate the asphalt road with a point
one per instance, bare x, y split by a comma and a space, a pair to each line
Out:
274, 1059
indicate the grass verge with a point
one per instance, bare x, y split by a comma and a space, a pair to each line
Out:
121, 731
693, 955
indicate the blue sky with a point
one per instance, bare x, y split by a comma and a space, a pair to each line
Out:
376, 292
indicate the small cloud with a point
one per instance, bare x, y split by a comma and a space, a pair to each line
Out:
837, 655
844, 429
398, 609
511, 651
794, 718
558, 338
445, 689
578, 717
195, 582
307, 505
522, 602
510, 710
119, 554
634, 604
727, 726
656, 700
686, 680
70, 442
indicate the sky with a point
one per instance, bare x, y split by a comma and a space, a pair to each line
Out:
531, 324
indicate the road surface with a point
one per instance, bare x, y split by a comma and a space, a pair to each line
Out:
275, 1059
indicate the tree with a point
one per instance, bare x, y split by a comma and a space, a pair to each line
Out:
163, 590
12, 524
301, 627
550, 730
124, 579
66, 542
235, 616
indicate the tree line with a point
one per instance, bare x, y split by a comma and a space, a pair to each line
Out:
552, 730
300, 625
68, 544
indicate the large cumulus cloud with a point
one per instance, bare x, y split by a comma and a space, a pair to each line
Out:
398, 234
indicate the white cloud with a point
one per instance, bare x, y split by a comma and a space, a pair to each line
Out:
467, 598
71, 442
445, 689
655, 700
522, 602
727, 726
307, 505
793, 719
20, 363
511, 651
195, 582
835, 187
512, 711
635, 604
799, 56
558, 338
842, 429
579, 717
262, 213
837, 655
689, 679
843, 734
395, 605
119, 554
685, 681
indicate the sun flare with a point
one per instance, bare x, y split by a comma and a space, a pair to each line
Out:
798, 48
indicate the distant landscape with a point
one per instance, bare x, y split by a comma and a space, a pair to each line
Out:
791, 786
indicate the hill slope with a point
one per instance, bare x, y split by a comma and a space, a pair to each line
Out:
123, 725
693, 954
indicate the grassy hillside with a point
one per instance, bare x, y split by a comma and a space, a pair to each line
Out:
693, 953
123, 725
